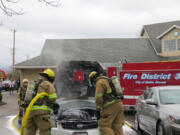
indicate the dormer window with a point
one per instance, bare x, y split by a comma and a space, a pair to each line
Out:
178, 44
172, 45
169, 45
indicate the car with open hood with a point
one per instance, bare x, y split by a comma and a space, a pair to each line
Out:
76, 115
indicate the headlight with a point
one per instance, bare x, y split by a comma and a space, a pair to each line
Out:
174, 119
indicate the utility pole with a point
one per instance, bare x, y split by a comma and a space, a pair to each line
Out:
13, 53
27, 57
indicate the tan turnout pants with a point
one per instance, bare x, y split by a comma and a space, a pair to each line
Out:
112, 120
41, 122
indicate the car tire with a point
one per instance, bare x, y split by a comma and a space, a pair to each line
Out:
136, 125
160, 129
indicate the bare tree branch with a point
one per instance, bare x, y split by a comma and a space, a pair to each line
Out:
10, 12
11, 1
54, 3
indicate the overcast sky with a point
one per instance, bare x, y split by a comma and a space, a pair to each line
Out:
79, 19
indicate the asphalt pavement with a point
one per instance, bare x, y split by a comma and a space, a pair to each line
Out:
7, 111
10, 109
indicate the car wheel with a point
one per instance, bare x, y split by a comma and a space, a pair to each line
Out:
160, 129
136, 125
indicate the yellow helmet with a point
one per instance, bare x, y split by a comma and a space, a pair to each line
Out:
92, 78
25, 80
92, 74
48, 73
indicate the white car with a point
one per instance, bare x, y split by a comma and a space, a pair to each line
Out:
75, 117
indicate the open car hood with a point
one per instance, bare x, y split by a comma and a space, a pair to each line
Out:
72, 79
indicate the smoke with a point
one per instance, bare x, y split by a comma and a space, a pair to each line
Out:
65, 84
68, 57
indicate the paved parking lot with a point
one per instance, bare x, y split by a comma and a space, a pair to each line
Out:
8, 111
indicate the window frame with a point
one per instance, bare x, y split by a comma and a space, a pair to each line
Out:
168, 45
150, 96
178, 44
149, 93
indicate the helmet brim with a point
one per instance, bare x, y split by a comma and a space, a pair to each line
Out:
43, 74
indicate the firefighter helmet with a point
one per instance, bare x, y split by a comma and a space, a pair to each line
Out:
92, 76
48, 73
25, 80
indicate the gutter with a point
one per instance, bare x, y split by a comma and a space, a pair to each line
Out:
33, 67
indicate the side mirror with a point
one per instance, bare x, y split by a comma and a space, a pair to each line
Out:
151, 102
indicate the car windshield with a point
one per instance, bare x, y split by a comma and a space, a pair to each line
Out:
76, 103
170, 96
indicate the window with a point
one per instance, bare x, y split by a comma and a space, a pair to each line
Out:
146, 94
153, 96
169, 45
170, 96
172, 45
178, 44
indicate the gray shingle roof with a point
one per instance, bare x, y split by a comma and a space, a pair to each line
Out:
101, 50
36, 62
155, 30
156, 43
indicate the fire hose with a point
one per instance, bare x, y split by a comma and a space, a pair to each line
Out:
24, 122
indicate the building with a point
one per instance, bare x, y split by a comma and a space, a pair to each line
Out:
164, 38
157, 42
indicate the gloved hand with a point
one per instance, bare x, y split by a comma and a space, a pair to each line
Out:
55, 108
98, 114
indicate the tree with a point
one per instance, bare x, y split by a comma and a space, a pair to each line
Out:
10, 12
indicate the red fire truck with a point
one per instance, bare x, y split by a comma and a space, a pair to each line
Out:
136, 77
2, 74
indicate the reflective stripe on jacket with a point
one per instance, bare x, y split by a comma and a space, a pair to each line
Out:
47, 87
102, 88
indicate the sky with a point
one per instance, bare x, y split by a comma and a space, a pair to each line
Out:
78, 19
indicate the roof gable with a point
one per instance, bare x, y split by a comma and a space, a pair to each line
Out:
154, 30
167, 31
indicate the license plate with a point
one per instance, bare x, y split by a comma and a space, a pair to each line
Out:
80, 133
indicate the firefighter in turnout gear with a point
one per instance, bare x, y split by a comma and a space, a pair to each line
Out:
21, 95
109, 108
39, 117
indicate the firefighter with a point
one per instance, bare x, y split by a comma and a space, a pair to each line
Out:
39, 117
21, 95
109, 109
